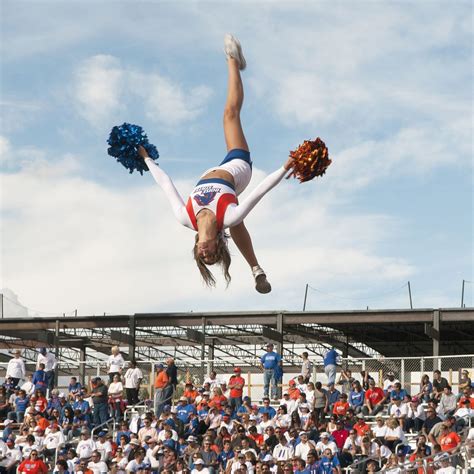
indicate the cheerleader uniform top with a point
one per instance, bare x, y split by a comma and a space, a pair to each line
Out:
215, 194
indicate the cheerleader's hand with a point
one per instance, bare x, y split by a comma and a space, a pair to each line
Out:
289, 165
142, 152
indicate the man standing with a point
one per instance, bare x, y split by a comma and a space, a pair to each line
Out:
172, 373
161, 382
306, 367
49, 360
271, 364
236, 387
16, 368
133, 378
330, 365
99, 396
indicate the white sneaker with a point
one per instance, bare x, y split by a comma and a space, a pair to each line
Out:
261, 283
233, 49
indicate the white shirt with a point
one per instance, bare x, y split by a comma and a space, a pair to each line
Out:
98, 467
53, 440
28, 387
85, 448
204, 470
115, 388
132, 377
320, 447
11, 456
16, 368
104, 449
399, 411
388, 385
115, 363
283, 453
446, 470
213, 383
49, 361
302, 449
379, 431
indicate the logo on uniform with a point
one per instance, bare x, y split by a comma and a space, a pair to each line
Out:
204, 199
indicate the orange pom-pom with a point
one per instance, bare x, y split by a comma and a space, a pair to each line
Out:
311, 160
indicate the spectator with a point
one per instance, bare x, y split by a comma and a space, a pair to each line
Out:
464, 381
16, 368
389, 383
341, 406
426, 388
416, 415
213, 381
326, 443
329, 463
306, 367
74, 388
346, 380
10, 458
28, 386
305, 446
270, 363
48, 359
161, 382
447, 402
374, 400
116, 402
449, 439
293, 391
356, 397
439, 383
330, 365
431, 420
115, 363
96, 465
394, 435
172, 373
133, 379
333, 395
104, 446
86, 445
33, 465
236, 386
40, 380
99, 396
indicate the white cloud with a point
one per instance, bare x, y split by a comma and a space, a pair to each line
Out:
97, 89
103, 89
124, 252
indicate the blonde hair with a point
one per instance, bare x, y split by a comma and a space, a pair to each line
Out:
115, 349
392, 423
222, 258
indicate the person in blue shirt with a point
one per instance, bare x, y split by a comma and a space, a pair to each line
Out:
312, 464
267, 408
225, 455
330, 365
356, 397
329, 464
398, 392
333, 395
271, 365
74, 386
39, 379
184, 410
21, 404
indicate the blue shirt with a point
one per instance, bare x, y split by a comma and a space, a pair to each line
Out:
333, 396
330, 358
21, 404
183, 412
224, 457
270, 410
326, 465
356, 399
401, 394
270, 360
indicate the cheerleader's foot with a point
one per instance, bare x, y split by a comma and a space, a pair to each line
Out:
261, 283
233, 49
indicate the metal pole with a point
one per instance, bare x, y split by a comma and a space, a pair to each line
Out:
409, 294
462, 297
1, 302
203, 349
305, 296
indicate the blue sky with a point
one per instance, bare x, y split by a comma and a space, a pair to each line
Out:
387, 85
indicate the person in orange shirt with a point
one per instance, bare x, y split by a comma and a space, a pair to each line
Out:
341, 406
466, 395
361, 427
449, 440
218, 398
236, 386
293, 391
190, 392
161, 382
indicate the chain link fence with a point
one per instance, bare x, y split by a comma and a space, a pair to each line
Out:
408, 370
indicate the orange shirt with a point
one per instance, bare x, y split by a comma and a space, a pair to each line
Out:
217, 401
161, 379
190, 394
340, 408
463, 399
43, 423
449, 441
362, 428
294, 393
236, 392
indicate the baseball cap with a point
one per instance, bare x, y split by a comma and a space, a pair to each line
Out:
135, 442
292, 382
101, 434
183, 399
198, 461
237, 369
415, 399
159, 366
96, 379
269, 344
192, 439
324, 435
390, 373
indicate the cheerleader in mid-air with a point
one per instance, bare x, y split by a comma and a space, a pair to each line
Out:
212, 206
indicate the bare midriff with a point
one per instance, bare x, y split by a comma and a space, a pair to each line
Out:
219, 174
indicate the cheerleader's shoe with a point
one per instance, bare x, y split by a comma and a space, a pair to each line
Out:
233, 49
261, 283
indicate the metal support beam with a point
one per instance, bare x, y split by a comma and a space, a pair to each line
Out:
210, 355
82, 366
57, 343
203, 349
436, 340
132, 341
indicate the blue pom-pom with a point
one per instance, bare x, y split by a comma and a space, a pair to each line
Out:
124, 141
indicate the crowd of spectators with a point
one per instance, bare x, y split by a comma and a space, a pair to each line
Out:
301, 427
